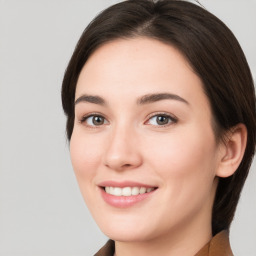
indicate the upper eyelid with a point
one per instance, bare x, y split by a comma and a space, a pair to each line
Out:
162, 113
93, 114
85, 116
173, 119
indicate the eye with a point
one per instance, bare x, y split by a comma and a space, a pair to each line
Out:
161, 120
94, 120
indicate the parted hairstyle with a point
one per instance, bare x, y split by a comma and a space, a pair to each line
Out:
213, 53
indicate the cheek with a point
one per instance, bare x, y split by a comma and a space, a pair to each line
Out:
85, 155
185, 161
184, 151
186, 166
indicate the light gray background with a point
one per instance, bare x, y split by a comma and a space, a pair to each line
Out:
41, 209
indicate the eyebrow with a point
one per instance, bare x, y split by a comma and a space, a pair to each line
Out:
146, 99
151, 98
91, 99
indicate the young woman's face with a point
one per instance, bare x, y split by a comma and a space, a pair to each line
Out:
143, 148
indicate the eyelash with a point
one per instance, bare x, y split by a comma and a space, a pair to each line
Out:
86, 117
171, 119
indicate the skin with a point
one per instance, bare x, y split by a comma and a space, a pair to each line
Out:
181, 158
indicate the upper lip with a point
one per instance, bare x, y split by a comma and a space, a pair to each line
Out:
123, 184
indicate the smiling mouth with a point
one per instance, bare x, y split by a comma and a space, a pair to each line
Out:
128, 191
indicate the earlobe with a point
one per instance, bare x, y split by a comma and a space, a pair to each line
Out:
232, 151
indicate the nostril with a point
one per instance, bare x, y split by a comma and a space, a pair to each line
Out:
127, 165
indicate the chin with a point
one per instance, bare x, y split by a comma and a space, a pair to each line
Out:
125, 228
127, 235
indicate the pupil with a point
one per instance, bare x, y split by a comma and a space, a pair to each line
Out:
97, 120
162, 120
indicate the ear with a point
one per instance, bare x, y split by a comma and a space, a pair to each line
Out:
232, 151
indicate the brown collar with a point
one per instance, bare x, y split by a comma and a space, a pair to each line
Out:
218, 246
107, 250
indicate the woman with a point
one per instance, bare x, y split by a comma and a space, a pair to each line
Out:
161, 119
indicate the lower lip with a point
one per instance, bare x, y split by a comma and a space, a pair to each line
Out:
124, 201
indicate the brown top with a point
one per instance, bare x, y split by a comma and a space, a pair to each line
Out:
218, 246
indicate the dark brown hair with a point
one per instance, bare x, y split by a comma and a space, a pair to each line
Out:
215, 56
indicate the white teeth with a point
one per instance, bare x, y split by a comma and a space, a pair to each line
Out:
143, 190
149, 189
127, 191
117, 191
111, 190
135, 191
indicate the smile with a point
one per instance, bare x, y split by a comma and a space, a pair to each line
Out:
127, 191
126, 194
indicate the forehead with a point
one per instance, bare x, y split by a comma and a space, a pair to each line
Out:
138, 65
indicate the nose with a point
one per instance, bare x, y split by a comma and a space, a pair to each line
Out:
122, 153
